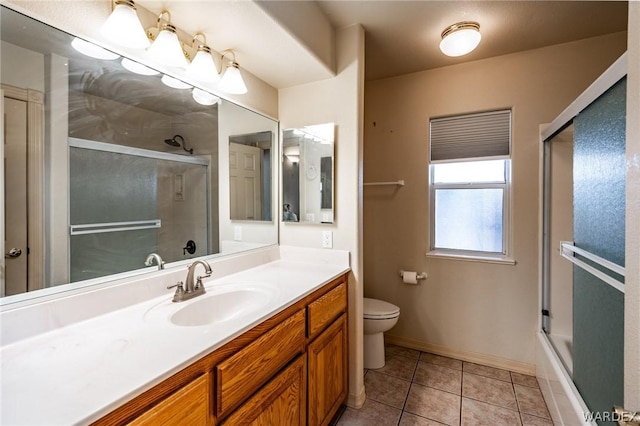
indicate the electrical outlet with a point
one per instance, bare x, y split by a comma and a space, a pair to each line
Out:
237, 233
327, 239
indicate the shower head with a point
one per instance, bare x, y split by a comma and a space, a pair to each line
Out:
178, 143
173, 142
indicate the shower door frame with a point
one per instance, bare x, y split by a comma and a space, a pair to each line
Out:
608, 79
151, 154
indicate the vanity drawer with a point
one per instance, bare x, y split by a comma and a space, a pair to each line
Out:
239, 376
189, 405
325, 309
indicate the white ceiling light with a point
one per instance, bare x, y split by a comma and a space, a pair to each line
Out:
174, 82
203, 97
202, 66
123, 26
460, 38
231, 81
92, 50
166, 48
137, 68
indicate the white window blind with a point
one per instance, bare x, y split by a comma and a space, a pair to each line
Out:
486, 134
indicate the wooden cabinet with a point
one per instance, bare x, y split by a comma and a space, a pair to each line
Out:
291, 369
188, 406
281, 402
240, 375
328, 377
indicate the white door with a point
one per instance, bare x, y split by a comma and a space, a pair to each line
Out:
245, 183
15, 191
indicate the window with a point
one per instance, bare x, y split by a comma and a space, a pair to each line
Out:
470, 185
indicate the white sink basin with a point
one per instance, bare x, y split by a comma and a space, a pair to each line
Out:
220, 305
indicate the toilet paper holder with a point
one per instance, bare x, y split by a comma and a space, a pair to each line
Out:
420, 276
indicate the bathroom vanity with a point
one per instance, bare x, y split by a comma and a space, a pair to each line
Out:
271, 346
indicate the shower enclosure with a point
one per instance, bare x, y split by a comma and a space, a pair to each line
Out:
126, 203
584, 253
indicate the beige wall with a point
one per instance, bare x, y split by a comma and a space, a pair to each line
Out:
337, 100
480, 311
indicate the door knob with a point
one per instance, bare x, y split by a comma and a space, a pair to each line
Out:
13, 253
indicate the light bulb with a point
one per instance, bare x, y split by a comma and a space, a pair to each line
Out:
166, 48
123, 26
202, 67
231, 81
460, 39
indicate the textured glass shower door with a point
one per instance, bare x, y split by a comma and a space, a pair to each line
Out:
128, 203
599, 229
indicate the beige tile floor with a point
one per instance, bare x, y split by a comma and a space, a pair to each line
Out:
420, 389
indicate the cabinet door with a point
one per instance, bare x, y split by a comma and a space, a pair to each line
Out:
282, 401
188, 406
328, 372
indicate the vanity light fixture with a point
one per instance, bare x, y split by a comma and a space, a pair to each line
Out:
137, 68
231, 81
123, 26
92, 50
166, 48
174, 82
460, 38
203, 97
202, 66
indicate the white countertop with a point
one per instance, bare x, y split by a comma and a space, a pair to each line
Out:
81, 371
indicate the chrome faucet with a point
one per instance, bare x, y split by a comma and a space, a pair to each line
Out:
157, 258
189, 290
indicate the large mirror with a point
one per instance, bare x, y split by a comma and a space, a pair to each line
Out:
108, 161
308, 174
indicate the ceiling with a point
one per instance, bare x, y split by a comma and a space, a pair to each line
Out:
401, 36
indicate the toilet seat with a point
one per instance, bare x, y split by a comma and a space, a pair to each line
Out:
375, 309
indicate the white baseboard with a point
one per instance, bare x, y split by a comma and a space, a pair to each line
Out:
478, 358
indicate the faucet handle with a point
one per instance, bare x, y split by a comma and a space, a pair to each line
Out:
199, 280
179, 285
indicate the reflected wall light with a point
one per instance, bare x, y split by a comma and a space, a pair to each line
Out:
231, 81
174, 82
92, 50
460, 38
123, 26
166, 48
203, 97
137, 68
202, 66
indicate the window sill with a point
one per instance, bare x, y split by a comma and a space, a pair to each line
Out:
469, 257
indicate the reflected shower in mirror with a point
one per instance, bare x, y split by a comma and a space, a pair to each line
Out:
122, 162
250, 176
308, 174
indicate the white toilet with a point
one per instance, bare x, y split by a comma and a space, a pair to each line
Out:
379, 316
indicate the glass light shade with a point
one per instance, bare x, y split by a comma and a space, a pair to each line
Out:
124, 28
203, 97
232, 82
137, 68
202, 67
166, 48
174, 82
460, 42
92, 50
